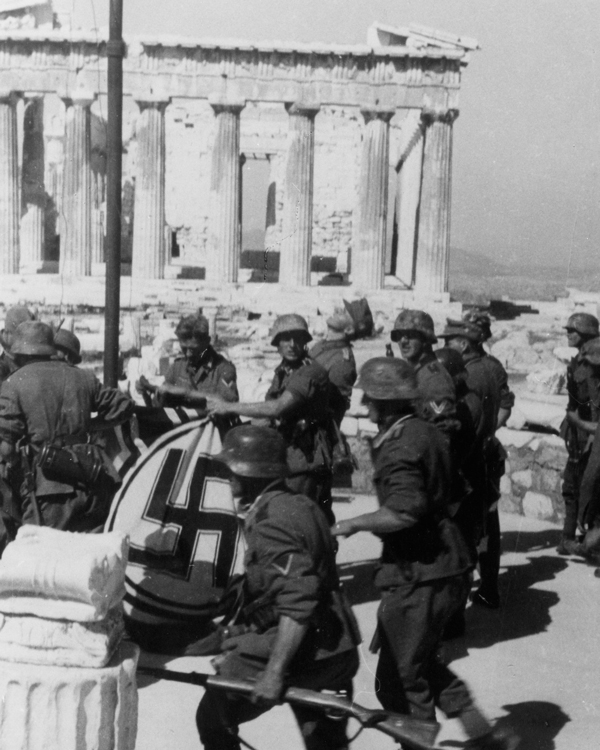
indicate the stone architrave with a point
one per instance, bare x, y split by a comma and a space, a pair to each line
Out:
149, 249
433, 244
9, 186
33, 190
76, 204
409, 188
224, 241
368, 252
296, 244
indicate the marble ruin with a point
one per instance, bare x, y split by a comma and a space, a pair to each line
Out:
355, 142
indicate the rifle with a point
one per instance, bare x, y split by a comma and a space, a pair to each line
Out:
415, 734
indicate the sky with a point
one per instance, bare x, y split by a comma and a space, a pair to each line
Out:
526, 169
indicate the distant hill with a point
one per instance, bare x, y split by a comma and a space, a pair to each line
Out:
477, 278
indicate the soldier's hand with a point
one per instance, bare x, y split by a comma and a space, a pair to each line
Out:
216, 405
268, 689
343, 528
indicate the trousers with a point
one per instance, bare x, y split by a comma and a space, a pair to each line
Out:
220, 714
411, 678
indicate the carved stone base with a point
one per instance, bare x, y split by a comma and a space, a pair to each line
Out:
68, 708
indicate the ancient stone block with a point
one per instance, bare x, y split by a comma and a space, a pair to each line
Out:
523, 478
349, 426
536, 505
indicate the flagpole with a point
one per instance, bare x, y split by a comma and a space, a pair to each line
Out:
114, 147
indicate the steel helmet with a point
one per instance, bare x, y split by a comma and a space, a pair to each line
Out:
481, 320
583, 323
414, 320
33, 337
451, 360
68, 341
288, 324
464, 329
388, 379
252, 451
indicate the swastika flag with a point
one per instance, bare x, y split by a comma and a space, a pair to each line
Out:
186, 543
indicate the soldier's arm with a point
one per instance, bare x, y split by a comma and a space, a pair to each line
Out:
111, 405
12, 421
583, 424
270, 684
273, 409
343, 375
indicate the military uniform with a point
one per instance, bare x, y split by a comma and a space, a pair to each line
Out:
214, 375
52, 402
290, 571
438, 404
306, 429
422, 574
7, 366
337, 358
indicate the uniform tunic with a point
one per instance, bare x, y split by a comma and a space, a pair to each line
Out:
48, 402
338, 360
215, 375
306, 428
438, 394
290, 559
422, 574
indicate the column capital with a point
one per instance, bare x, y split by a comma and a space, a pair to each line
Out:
9, 97
377, 113
152, 102
80, 98
220, 104
447, 116
305, 109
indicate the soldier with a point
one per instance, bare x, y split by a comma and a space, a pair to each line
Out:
200, 371
14, 317
425, 565
580, 422
298, 403
466, 337
336, 356
413, 331
68, 346
58, 478
301, 631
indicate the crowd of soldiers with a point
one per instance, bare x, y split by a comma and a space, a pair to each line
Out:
437, 466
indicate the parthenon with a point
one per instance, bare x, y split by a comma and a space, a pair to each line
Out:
355, 142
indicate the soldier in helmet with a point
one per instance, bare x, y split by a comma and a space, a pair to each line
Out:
200, 371
414, 333
336, 356
45, 409
301, 630
14, 317
424, 568
298, 403
580, 422
68, 346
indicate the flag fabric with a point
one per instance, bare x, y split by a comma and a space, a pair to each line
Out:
154, 421
177, 507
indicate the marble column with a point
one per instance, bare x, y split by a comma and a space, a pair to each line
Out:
10, 203
409, 191
224, 240
296, 244
148, 254
76, 204
33, 190
433, 243
369, 236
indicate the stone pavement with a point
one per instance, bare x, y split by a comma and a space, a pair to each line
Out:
532, 664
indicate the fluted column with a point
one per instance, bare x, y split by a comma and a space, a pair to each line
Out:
296, 245
76, 210
33, 191
9, 185
432, 262
409, 191
148, 254
224, 241
368, 250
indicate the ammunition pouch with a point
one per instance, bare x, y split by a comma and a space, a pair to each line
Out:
78, 464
